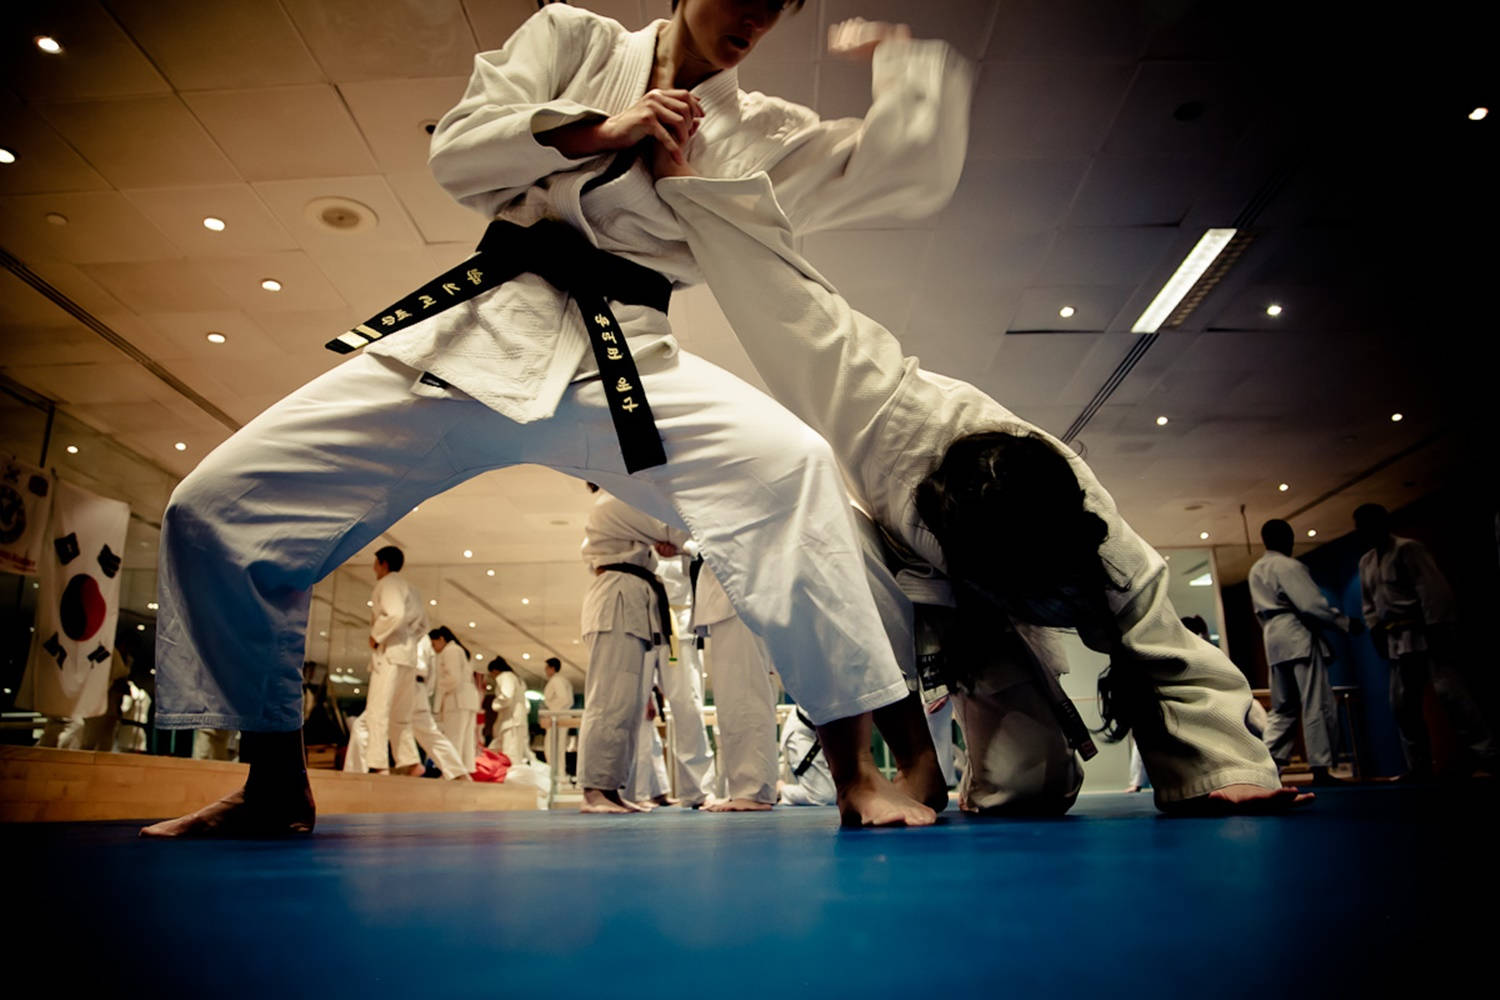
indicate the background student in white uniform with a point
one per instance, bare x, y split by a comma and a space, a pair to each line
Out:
805, 779
457, 686
397, 621
1413, 620
1291, 609
681, 679
558, 696
739, 668
1017, 522
503, 379
624, 624
512, 733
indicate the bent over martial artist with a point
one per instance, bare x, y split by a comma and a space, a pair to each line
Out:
1015, 520
545, 142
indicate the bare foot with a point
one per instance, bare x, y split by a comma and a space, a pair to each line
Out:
415, 771
597, 800
924, 782
233, 817
873, 801
663, 800
1246, 800
1132, 789
718, 805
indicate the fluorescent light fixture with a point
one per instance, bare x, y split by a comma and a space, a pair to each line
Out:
1206, 580
1198, 260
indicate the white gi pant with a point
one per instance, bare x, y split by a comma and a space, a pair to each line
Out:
1302, 682
457, 725
621, 668
319, 475
745, 701
649, 779
388, 710
682, 687
433, 741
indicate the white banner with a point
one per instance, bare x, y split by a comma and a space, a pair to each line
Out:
79, 606
25, 496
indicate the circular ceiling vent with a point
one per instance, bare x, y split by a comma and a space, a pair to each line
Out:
340, 215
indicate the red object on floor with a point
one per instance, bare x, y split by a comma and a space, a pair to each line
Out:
491, 765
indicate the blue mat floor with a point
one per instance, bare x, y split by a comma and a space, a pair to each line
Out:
1364, 890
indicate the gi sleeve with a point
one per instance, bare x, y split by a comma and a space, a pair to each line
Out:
484, 151
903, 159
1297, 584
388, 614
1431, 586
447, 673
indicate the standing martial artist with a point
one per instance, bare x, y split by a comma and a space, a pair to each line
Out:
1291, 609
739, 667
626, 619
681, 681
468, 375
511, 711
558, 696
456, 686
1013, 519
397, 621
1413, 620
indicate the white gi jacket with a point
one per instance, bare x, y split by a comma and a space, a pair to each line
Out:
1403, 590
516, 347
558, 694
618, 533
814, 787
454, 681
397, 620
890, 422
1279, 582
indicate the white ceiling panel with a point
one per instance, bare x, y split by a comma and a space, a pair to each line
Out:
439, 218
1123, 256
1027, 368
1045, 108
305, 331
188, 332
370, 281
494, 21
222, 45
982, 257
24, 344
391, 114
1027, 195
1140, 190
303, 285
290, 200
276, 133
119, 381
160, 286
142, 142
1095, 307
1072, 29
409, 38
101, 226
1148, 122
98, 59
249, 226
43, 161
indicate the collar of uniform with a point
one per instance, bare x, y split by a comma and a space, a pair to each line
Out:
719, 94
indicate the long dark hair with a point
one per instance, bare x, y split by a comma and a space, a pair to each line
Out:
445, 633
1009, 513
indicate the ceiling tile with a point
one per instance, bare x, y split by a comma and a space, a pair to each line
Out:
303, 285
274, 133
1148, 124
142, 142
221, 45
250, 227
1140, 190
1014, 195
188, 333
391, 114
159, 286
114, 382
290, 200
494, 21
1045, 108
370, 281
439, 218
1107, 256
1096, 307
411, 39
306, 331
1074, 29
98, 59
43, 161
101, 226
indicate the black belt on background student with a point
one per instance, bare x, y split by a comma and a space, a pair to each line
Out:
663, 605
560, 255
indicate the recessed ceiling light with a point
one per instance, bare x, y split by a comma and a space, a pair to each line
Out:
478, 656
1066, 312
575, 642
271, 285
416, 508
1161, 421
1198, 260
1312, 532
468, 553
140, 628
216, 338
48, 44
473, 624
1203, 535
180, 446
1273, 310
525, 600
433, 602
56, 218
369, 604
152, 606
356, 690
72, 449
217, 225
1396, 418
525, 656
489, 572
1284, 487
1479, 114
6, 156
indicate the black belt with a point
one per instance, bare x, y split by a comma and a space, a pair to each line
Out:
1270, 613
812, 753
560, 255
663, 605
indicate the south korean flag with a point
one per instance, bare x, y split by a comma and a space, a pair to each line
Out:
68, 673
